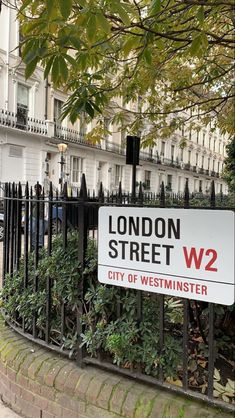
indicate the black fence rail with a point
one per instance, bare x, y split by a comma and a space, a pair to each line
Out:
51, 295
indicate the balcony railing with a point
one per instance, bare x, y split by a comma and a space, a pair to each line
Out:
71, 135
32, 125
116, 148
13, 120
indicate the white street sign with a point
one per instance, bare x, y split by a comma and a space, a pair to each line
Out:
187, 253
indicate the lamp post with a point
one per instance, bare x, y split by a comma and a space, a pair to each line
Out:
62, 149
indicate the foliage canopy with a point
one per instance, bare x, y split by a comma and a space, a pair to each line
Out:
167, 56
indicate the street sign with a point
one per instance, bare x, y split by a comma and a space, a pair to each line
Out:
186, 253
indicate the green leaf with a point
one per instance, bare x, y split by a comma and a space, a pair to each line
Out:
195, 45
64, 40
131, 43
75, 42
204, 40
91, 27
49, 6
103, 22
55, 70
24, 5
30, 54
199, 45
70, 59
89, 109
63, 68
120, 10
155, 6
65, 7
160, 44
82, 60
31, 67
201, 15
48, 66
147, 56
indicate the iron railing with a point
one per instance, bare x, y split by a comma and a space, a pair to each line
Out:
12, 120
57, 327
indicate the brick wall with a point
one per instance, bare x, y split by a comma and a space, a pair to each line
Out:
40, 384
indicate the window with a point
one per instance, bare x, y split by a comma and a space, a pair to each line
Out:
190, 134
189, 157
181, 154
22, 106
76, 165
203, 161
163, 145
218, 166
169, 182
214, 144
209, 143
147, 178
58, 104
200, 186
172, 152
196, 159
197, 137
213, 165
118, 175
208, 163
15, 151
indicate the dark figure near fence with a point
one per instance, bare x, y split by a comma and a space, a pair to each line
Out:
38, 216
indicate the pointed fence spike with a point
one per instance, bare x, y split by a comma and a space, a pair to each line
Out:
119, 195
27, 190
19, 190
140, 195
186, 195
162, 196
212, 196
50, 190
83, 189
101, 193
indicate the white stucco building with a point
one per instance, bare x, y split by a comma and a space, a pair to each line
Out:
30, 133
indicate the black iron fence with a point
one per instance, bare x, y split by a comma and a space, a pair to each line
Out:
51, 295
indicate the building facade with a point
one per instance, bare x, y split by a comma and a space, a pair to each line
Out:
30, 132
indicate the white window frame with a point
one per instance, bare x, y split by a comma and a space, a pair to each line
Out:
118, 173
76, 168
147, 179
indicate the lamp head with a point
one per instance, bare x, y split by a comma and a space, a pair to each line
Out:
62, 147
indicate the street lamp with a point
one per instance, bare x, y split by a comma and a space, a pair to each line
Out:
62, 149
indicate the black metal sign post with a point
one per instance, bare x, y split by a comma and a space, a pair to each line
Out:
132, 158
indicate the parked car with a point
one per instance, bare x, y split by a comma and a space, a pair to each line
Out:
56, 222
